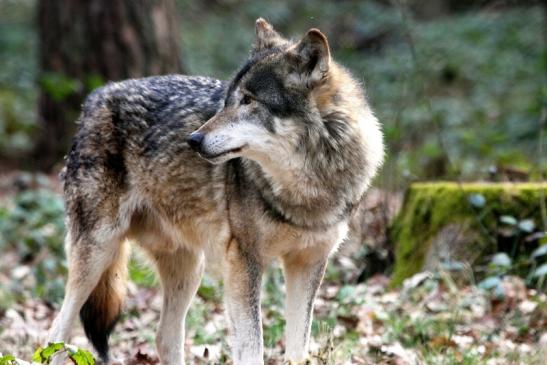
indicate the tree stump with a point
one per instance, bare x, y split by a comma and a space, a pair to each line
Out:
450, 222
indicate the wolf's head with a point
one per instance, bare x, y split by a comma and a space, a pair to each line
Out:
269, 101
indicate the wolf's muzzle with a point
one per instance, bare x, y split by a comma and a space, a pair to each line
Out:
194, 140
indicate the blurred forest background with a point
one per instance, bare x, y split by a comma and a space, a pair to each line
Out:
461, 90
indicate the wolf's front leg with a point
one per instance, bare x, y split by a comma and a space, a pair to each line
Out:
180, 274
242, 291
303, 275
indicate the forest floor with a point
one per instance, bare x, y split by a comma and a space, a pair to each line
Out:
434, 318
429, 321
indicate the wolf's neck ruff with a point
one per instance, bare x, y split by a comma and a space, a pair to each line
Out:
315, 188
314, 184
324, 164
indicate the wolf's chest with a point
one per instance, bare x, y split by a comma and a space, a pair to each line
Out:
278, 239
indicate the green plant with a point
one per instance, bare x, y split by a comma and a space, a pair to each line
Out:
44, 355
33, 225
7, 360
78, 355
533, 267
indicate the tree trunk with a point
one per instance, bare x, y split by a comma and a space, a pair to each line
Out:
85, 43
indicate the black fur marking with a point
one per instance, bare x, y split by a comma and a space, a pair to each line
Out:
312, 292
96, 331
236, 172
256, 57
312, 62
269, 123
233, 85
85, 220
275, 214
269, 90
76, 162
242, 183
114, 161
266, 119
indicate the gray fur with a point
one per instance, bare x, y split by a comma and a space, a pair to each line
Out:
288, 189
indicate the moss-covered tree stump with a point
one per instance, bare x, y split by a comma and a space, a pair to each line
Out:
446, 221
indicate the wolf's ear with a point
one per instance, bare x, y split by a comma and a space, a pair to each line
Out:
266, 36
310, 58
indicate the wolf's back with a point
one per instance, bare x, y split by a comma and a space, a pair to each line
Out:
139, 117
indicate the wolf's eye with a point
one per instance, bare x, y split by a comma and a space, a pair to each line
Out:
246, 100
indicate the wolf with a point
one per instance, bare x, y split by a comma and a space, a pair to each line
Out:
269, 165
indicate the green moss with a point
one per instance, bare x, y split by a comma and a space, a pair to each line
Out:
428, 207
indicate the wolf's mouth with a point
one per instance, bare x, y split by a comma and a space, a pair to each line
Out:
224, 153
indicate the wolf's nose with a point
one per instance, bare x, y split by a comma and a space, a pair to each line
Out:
194, 140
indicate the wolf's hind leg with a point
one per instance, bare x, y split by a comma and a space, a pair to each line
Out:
96, 281
303, 273
180, 274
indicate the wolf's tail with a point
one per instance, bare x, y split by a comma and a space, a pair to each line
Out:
102, 309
